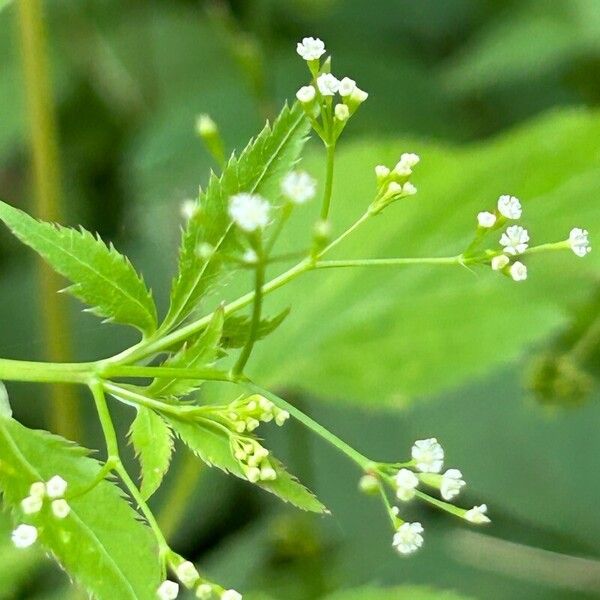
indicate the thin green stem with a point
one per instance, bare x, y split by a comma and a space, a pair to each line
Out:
45, 372
326, 204
387, 262
346, 233
445, 506
259, 282
127, 395
362, 461
109, 371
286, 212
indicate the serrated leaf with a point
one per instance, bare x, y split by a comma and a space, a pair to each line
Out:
152, 441
94, 543
236, 329
202, 352
211, 445
101, 276
257, 170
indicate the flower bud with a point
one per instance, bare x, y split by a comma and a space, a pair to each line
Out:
342, 112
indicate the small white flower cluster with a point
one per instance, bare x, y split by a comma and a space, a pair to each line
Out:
515, 240
250, 212
188, 575
247, 413
298, 187
393, 184
317, 98
254, 459
428, 460
54, 490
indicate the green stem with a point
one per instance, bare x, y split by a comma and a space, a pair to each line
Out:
112, 448
346, 233
286, 212
362, 461
259, 282
21, 370
445, 506
122, 393
109, 371
386, 262
325, 206
64, 415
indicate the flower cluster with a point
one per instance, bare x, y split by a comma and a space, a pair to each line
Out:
54, 491
298, 187
250, 212
248, 412
393, 184
327, 119
515, 238
253, 459
424, 468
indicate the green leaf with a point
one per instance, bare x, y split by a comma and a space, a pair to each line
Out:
202, 352
152, 440
211, 445
407, 592
385, 336
102, 543
257, 170
236, 329
101, 276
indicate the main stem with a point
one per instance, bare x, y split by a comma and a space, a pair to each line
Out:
325, 206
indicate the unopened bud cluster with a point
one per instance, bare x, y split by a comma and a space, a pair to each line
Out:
317, 98
253, 459
393, 184
41, 493
247, 413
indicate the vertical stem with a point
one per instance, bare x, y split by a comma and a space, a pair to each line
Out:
328, 181
64, 415
259, 282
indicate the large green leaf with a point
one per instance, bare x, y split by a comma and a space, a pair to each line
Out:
101, 276
383, 336
257, 170
396, 593
94, 543
211, 444
152, 441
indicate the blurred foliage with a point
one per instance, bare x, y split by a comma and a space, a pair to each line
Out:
130, 79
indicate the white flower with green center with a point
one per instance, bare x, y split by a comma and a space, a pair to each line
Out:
477, 515
38, 489
311, 48
509, 207
518, 271
515, 240
408, 538
32, 504
60, 508
499, 262
341, 112
347, 86
428, 455
486, 219
408, 189
249, 211
168, 590
204, 591
306, 94
186, 573
578, 240
451, 484
56, 487
328, 84
298, 187
406, 483
24, 536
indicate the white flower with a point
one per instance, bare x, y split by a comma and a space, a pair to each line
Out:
268, 474
188, 208
393, 189
358, 96
249, 211
509, 207
204, 591
306, 94
515, 239
328, 84
168, 590
486, 219
410, 158
32, 504
299, 187
452, 483
342, 112
250, 257
186, 573
310, 48
281, 417
408, 538
231, 595
60, 509
381, 171
406, 482
518, 271
499, 262
428, 455
56, 487
408, 189
347, 86
206, 126
477, 514
578, 240
38, 489
24, 536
